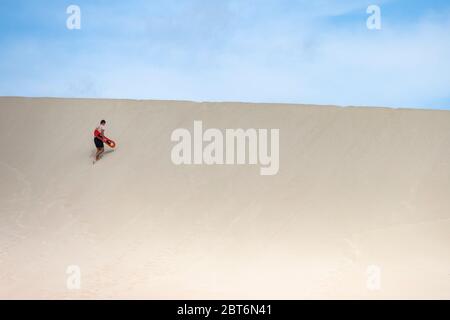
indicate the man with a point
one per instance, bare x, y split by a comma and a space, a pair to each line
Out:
99, 133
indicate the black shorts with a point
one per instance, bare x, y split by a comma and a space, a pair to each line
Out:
98, 142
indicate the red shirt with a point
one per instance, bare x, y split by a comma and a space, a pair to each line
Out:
98, 130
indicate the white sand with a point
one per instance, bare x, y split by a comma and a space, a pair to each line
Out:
356, 187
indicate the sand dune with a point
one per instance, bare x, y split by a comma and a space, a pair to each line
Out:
356, 187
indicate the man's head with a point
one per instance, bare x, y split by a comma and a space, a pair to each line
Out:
103, 122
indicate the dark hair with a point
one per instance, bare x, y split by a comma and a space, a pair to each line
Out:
103, 122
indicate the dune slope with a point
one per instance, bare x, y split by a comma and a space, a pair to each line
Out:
360, 207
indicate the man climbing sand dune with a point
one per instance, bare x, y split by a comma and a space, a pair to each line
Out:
99, 133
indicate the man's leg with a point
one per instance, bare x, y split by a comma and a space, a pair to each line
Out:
99, 152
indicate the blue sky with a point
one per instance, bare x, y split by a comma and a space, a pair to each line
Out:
289, 51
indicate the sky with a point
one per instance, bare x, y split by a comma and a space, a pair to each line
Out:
287, 51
